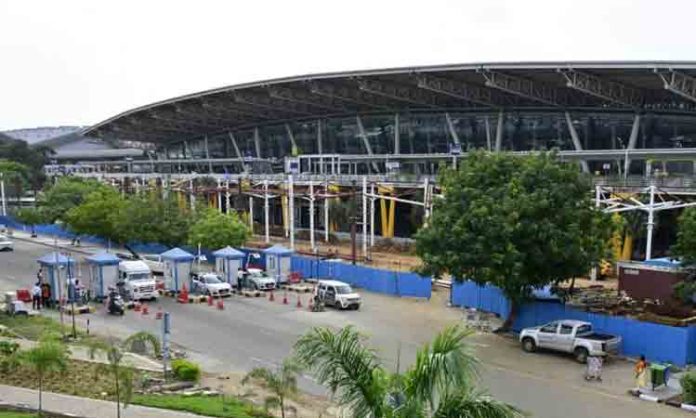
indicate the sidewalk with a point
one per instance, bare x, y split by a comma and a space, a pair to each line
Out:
63, 244
82, 407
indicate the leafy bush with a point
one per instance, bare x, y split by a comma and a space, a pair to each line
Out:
685, 290
8, 348
186, 370
688, 383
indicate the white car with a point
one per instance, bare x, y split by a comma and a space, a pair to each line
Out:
5, 243
257, 279
338, 294
210, 284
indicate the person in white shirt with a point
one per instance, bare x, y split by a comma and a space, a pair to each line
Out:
36, 296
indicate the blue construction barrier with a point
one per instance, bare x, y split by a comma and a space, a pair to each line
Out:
372, 279
656, 341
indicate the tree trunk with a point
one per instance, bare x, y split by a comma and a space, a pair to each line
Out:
510, 320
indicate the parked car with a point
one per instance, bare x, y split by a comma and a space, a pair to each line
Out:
210, 284
6, 243
569, 336
258, 279
338, 294
155, 262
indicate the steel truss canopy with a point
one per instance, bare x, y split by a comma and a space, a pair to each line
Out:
636, 87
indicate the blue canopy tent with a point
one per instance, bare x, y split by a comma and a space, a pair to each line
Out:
103, 272
228, 261
278, 262
52, 263
177, 268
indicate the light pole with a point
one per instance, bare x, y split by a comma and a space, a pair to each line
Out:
2, 194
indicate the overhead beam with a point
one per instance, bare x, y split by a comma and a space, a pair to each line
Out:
679, 83
607, 90
267, 103
346, 95
305, 99
398, 93
522, 87
235, 110
456, 90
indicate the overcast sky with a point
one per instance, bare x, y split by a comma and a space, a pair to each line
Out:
79, 62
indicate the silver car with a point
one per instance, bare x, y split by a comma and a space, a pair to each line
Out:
5, 243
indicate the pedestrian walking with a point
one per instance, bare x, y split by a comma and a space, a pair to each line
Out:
36, 296
46, 294
641, 371
594, 368
39, 275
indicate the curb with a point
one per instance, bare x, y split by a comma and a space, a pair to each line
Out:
62, 247
21, 407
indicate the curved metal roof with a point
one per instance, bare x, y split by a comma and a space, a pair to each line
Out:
659, 86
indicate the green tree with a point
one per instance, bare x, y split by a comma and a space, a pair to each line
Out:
282, 383
31, 217
685, 250
518, 223
215, 230
96, 215
32, 157
16, 177
65, 194
49, 356
441, 383
122, 374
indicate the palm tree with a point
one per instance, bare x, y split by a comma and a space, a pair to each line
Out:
281, 382
440, 383
50, 355
122, 375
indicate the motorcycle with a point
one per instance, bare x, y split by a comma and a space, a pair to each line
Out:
317, 304
115, 305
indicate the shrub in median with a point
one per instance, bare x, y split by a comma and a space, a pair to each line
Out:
186, 370
688, 384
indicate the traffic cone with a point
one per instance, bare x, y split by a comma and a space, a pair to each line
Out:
145, 310
220, 305
183, 295
137, 307
310, 305
299, 302
159, 314
271, 298
210, 300
285, 298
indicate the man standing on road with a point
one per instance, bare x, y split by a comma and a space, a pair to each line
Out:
36, 296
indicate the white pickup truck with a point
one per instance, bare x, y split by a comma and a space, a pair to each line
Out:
570, 336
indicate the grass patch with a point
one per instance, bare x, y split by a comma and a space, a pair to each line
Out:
33, 327
13, 414
213, 406
82, 378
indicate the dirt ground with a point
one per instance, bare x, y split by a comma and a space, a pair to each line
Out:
306, 405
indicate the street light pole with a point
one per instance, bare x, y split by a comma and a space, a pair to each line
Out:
2, 194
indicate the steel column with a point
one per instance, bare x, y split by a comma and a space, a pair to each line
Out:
499, 132
488, 133
237, 151
397, 139
326, 212
2, 194
450, 127
651, 224
632, 142
576, 141
257, 142
320, 149
372, 215
207, 154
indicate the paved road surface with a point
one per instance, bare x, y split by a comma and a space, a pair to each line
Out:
252, 332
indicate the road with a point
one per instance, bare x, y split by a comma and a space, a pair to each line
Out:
253, 332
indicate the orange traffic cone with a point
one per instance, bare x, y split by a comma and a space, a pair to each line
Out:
271, 298
137, 307
220, 305
210, 300
310, 305
146, 311
183, 295
285, 298
299, 302
159, 314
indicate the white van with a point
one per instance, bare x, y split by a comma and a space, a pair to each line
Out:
338, 294
137, 279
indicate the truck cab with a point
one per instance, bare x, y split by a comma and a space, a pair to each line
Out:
137, 280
